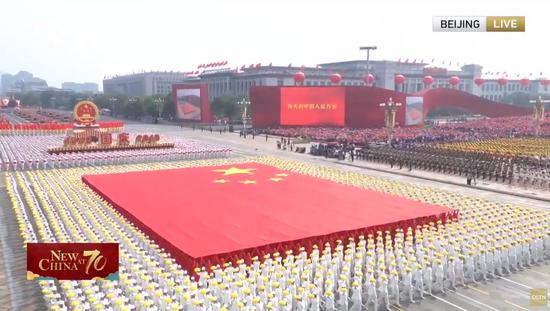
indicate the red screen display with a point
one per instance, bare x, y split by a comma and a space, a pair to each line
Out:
313, 106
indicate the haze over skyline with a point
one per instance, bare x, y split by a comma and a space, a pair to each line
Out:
62, 40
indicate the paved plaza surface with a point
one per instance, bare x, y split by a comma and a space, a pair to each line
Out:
506, 293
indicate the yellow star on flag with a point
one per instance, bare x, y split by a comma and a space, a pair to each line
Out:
221, 181
281, 175
236, 170
276, 179
247, 182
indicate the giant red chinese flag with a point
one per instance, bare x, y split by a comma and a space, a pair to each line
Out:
204, 214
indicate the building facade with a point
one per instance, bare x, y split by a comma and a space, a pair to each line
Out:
493, 90
86, 87
353, 73
143, 84
229, 81
21, 82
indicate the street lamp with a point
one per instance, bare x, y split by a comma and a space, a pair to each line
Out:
368, 48
159, 101
244, 103
113, 101
390, 107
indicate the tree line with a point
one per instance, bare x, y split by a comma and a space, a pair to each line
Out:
226, 106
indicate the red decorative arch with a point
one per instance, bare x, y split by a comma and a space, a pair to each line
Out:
446, 97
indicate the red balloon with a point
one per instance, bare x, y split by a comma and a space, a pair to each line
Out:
454, 80
399, 79
545, 82
369, 79
479, 81
335, 78
524, 82
502, 81
428, 80
299, 77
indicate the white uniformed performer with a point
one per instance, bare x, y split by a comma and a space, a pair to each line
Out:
419, 281
372, 295
394, 287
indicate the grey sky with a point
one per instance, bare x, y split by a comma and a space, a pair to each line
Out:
76, 40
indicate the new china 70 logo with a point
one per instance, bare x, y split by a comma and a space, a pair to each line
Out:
72, 261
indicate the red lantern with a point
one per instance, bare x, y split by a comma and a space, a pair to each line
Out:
299, 77
545, 82
479, 81
335, 78
428, 80
399, 79
454, 80
524, 82
369, 79
502, 81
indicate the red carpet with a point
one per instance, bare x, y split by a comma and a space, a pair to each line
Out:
207, 215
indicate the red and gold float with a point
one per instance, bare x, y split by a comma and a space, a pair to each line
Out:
87, 136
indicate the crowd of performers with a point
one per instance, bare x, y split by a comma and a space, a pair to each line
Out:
370, 271
466, 131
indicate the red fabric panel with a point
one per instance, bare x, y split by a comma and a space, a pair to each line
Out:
201, 222
205, 112
445, 97
264, 106
363, 106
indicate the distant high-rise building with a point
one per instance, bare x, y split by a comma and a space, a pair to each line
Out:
143, 84
86, 87
23, 81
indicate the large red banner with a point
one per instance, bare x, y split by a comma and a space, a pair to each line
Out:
199, 228
313, 106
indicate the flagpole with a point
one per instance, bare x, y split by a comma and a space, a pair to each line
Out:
244, 103
368, 48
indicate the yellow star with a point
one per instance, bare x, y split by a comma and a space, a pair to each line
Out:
236, 170
276, 179
220, 181
246, 182
281, 175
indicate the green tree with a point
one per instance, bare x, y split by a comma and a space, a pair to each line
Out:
226, 106
30, 99
47, 98
168, 110
150, 106
102, 101
518, 98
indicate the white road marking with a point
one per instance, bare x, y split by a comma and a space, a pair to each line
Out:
514, 282
450, 303
476, 301
515, 305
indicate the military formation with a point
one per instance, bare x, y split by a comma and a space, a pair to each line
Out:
511, 169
